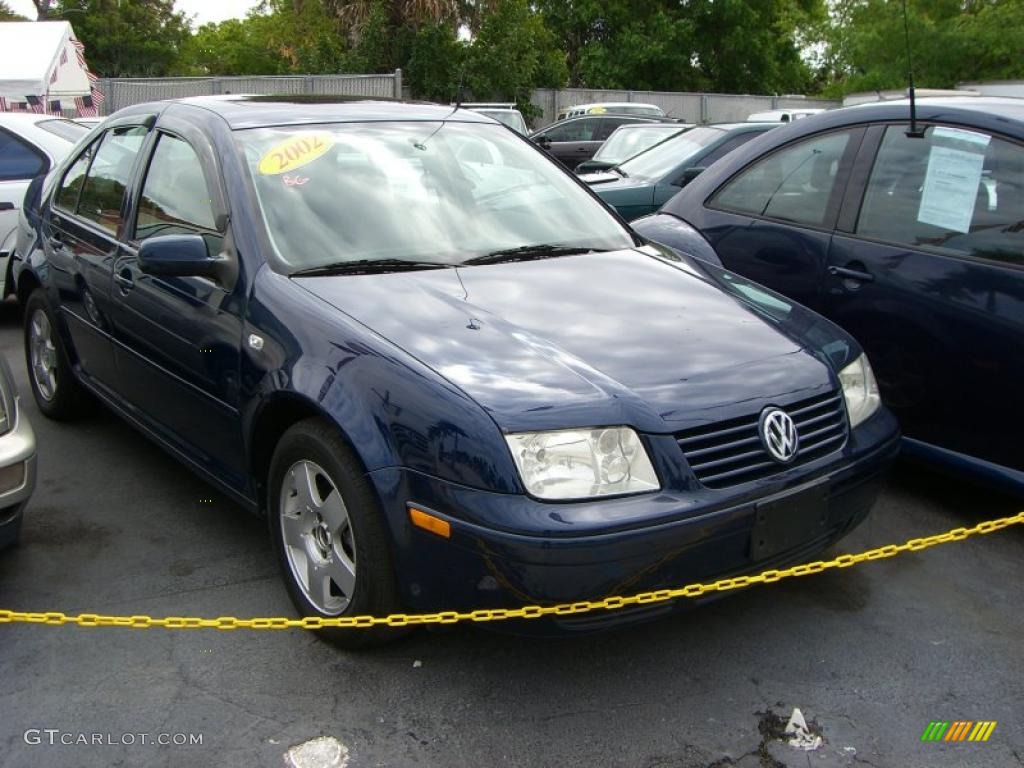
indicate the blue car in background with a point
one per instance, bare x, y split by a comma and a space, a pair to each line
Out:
913, 243
448, 376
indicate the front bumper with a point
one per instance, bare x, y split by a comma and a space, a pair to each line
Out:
17, 476
702, 537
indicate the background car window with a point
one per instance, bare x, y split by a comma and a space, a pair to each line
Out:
664, 157
19, 160
955, 189
577, 130
726, 147
71, 186
66, 129
108, 175
794, 184
606, 127
175, 197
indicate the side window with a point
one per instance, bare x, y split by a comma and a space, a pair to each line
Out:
606, 127
103, 190
18, 160
71, 186
955, 189
577, 130
727, 146
175, 198
794, 184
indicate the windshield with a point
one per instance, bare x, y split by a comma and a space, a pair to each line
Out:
443, 192
662, 158
510, 117
631, 140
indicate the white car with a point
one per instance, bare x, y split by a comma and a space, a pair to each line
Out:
612, 108
782, 115
30, 145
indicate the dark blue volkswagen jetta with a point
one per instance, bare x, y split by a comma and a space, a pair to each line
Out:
445, 371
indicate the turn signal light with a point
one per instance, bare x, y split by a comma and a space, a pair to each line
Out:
430, 523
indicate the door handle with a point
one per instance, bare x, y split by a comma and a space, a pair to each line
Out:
55, 241
851, 274
125, 280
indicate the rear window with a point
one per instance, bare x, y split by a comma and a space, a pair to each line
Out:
66, 129
662, 158
18, 159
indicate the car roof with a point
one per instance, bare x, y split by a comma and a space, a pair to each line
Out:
243, 111
997, 114
611, 104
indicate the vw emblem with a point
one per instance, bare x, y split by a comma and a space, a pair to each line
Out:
778, 433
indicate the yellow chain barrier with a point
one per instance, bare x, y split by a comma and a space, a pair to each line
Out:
501, 614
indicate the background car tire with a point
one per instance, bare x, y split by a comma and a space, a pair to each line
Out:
67, 400
314, 443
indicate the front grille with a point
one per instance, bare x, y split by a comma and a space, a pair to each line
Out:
731, 452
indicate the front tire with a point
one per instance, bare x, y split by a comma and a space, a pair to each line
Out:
54, 387
329, 534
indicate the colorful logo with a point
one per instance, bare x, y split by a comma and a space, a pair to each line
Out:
958, 730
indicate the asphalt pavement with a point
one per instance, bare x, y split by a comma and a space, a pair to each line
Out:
870, 654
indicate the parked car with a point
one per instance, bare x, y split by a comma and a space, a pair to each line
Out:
434, 415
913, 244
17, 458
30, 144
507, 114
575, 140
782, 115
612, 107
628, 141
643, 183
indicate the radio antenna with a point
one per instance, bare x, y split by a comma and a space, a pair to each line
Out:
913, 133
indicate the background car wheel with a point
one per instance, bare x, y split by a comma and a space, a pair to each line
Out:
329, 533
57, 393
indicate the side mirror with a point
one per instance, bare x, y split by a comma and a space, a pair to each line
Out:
183, 256
689, 175
541, 141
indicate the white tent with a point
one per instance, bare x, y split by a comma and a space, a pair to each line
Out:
42, 63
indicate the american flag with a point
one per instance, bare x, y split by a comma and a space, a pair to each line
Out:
88, 106
36, 105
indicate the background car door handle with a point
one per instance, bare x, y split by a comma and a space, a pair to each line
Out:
851, 274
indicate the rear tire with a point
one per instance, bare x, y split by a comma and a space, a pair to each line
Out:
54, 386
329, 534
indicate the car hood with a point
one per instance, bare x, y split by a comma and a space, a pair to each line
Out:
625, 337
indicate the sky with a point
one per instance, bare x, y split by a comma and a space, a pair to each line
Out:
203, 10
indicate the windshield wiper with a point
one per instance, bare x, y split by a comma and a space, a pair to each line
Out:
368, 267
530, 253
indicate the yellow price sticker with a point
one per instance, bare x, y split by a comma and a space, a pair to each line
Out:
294, 152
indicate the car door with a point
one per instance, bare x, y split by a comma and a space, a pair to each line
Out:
927, 271
20, 162
80, 236
177, 338
772, 222
573, 142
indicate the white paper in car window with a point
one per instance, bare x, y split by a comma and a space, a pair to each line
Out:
951, 188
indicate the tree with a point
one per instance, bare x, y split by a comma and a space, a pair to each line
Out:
951, 41
126, 38
6, 14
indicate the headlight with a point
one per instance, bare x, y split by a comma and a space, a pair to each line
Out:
582, 463
860, 390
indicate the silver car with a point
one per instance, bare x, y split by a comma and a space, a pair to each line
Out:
17, 459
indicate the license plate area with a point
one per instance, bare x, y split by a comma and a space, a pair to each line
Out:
788, 521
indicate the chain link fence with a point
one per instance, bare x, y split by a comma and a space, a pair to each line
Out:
123, 92
691, 107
